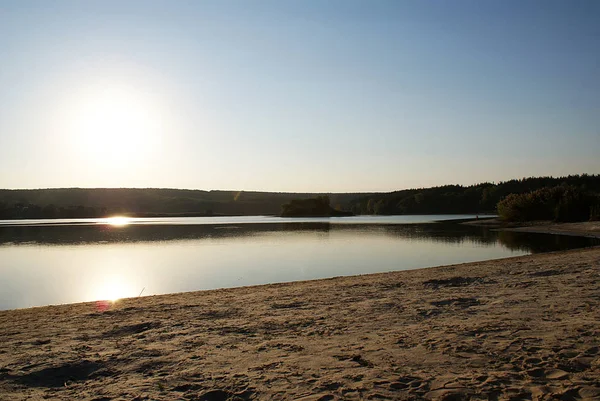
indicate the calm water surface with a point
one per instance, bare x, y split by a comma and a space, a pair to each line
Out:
62, 261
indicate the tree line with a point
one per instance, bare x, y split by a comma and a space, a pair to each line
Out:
479, 198
147, 202
561, 203
151, 202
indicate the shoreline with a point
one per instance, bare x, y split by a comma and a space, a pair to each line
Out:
587, 229
525, 326
590, 229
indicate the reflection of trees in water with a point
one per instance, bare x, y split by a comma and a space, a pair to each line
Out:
94, 234
444, 232
438, 232
538, 243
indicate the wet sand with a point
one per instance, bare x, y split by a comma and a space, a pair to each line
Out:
525, 328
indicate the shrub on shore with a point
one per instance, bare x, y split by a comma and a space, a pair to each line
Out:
312, 207
561, 204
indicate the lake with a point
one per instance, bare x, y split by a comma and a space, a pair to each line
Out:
46, 262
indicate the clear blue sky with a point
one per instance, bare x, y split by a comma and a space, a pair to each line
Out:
296, 95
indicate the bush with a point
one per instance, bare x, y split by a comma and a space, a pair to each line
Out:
595, 210
312, 207
562, 203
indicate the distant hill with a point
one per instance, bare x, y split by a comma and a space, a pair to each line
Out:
101, 202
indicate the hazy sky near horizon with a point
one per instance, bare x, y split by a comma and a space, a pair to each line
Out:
279, 95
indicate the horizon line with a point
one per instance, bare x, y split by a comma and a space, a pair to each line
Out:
298, 192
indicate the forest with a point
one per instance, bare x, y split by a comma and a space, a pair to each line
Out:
154, 202
479, 198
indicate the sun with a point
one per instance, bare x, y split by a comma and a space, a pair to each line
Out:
114, 126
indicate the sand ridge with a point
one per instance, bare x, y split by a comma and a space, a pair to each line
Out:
525, 328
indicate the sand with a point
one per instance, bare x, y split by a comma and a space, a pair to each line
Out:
584, 229
525, 328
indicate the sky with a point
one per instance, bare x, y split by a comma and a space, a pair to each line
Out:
296, 96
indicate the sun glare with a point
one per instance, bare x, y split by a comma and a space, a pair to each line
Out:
114, 126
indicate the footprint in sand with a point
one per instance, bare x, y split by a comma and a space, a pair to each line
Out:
552, 374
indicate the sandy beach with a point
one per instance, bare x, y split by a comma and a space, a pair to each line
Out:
584, 229
524, 328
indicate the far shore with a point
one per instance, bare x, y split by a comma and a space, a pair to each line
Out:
583, 229
525, 328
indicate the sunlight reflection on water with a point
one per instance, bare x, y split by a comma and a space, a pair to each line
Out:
116, 221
